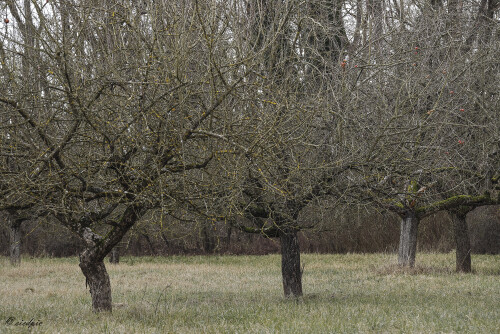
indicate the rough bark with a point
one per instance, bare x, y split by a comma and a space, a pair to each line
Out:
408, 240
97, 279
15, 242
92, 258
290, 263
462, 241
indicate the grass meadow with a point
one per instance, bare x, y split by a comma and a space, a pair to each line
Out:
350, 293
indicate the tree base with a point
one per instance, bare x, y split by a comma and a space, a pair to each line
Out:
15, 243
97, 279
408, 240
290, 263
463, 258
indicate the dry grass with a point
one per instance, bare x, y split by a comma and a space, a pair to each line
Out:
343, 293
394, 269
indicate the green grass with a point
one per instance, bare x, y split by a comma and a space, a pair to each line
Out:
350, 293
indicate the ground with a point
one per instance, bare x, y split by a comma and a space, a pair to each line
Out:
350, 293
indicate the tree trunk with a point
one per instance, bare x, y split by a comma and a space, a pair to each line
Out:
408, 240
92, 258
15, 242
228, 238
167, 243
97, 279
290, 263
462, 242
208, 239
114, 256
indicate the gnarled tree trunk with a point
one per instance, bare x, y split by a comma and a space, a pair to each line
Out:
15, 241
408, 240
92, 258
97, 279
290, 262
462, 241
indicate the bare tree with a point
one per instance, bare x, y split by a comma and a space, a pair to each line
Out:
15, 151
301, 160
119, 112
431, 129
139, 100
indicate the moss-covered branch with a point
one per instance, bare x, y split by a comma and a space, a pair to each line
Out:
455, 202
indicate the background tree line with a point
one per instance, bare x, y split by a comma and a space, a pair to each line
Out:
342, 233
123, 119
